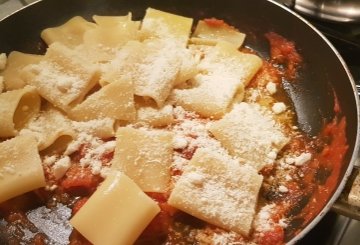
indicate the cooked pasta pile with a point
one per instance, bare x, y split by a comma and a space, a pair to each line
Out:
139, 123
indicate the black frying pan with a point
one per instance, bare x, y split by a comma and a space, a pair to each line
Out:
322, 72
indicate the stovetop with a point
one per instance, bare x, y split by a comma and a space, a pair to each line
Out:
333, 229
346, 39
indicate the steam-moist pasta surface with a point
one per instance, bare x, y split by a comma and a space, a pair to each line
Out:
145, 132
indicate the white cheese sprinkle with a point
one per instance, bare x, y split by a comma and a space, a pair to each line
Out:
51, 187
61, 166
272, 155
283, 189
278, 107
180, 142
271, 87
49, 160
302, 159
196, 178
282, 223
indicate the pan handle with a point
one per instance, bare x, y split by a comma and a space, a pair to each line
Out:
348, 204
358, 88
287, 3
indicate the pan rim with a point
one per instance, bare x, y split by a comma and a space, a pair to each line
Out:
356, 147
355, 153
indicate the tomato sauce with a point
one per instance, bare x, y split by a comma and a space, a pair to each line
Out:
213, 22
283, 52
329, 160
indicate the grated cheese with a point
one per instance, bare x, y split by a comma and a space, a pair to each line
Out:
298, 160
61, 166
193, 130
271, 87
51, 187
217, 189
283, 189
251, 134
302, 159
49, 160
254, 95
56, 79
263, 221
228, 238
180, 142
278, 107
95, 149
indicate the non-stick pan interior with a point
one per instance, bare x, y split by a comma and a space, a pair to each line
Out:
321, 74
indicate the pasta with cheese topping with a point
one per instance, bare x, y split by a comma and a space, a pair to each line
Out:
164, 130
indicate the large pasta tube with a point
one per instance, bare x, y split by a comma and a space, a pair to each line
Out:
17, 107
13, 74
63, 76
52, 130
115, 100
20, 167
70, 33
145, 156
116, 213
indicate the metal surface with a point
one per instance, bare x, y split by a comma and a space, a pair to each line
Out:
358, 89
342, 205
323, 69
333, 10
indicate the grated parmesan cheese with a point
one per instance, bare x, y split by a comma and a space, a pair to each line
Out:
278, 107
95, 149
298, 160
49, 160
283, 189
302, 159
271, 87
180, 142
105, 171
193, 130
196, 178
254, 95
61, 166
263, 221
94, 153
283, 223
51, 187
251, 134
228, 238
272, 155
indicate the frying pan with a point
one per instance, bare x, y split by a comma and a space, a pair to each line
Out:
322, 72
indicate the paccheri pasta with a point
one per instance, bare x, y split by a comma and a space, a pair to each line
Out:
146, 132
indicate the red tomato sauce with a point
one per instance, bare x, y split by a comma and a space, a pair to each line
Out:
330, 160
283, 52
213, 22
